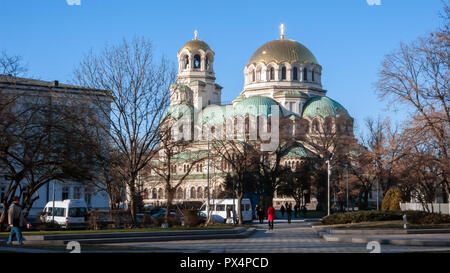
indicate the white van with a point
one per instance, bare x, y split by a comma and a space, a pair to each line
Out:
67, 213
225, 209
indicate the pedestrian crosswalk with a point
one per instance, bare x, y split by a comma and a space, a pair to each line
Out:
296, 237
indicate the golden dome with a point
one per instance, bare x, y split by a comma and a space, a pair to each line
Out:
282, 51
195, 45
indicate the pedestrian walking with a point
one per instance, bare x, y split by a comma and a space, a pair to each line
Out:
260, 215
289, 213
270, 216
15, 221
282, 209
296, 207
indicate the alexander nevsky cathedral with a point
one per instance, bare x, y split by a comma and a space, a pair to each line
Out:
281, 73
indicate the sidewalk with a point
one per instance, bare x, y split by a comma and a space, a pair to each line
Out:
392, 237
129, 237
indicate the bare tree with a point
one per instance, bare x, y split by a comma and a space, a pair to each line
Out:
139, 94
171, 152
240, 159
11, 65
417, 75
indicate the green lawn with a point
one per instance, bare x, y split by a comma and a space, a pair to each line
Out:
120, 230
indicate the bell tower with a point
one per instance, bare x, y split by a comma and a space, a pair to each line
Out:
196, 71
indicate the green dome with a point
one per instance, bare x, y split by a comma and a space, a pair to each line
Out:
323, 107
282, 51
178, 111
214, 114
251, 106
297, 151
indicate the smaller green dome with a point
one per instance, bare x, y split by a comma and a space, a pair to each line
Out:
251, 106
323, 107
177, 111
213, 115
297, 151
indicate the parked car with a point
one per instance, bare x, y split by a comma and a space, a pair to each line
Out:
69, 213
214, 217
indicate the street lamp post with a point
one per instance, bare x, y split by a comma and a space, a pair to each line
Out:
207, 180
346, 168
328, 181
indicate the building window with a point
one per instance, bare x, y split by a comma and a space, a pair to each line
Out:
206, 63
76, 193
253, 75
305, 74
65, 193
197, 61
160, 193
295, 74
312, 75
199, 193
186, 62
193, 193
283, 73
154, 194
272, 74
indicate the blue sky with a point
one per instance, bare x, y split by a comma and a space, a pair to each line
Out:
348, 37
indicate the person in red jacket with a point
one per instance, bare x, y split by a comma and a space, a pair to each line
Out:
270, 216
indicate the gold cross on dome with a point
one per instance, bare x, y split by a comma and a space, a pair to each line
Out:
195, 34
282, 31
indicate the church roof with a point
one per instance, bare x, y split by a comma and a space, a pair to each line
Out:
251, 106
195, 45
297, 151
323, 106
177, 111
290, 93
282, 51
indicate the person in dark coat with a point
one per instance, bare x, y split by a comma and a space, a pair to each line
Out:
282, 210
260, 215
270, 216
16, 221
289, 213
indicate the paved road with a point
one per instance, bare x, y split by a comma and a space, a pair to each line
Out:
297, 237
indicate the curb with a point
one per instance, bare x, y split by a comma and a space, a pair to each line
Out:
325, 235
235, 233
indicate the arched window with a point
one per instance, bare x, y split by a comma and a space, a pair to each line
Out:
206, 63
312, 75
199, 193
180, 193
272, 74
295, 74
160, 193
186, 62
197, 61
145, 194
193, 193
253, 75
258, 74
316, 126
205, 192
283, 73
154, 194
305, 74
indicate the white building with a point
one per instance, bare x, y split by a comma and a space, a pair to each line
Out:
43, 93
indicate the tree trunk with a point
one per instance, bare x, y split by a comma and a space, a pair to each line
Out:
133, 203
239, 204
170, 195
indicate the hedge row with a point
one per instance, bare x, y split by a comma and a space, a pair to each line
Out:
413, 217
